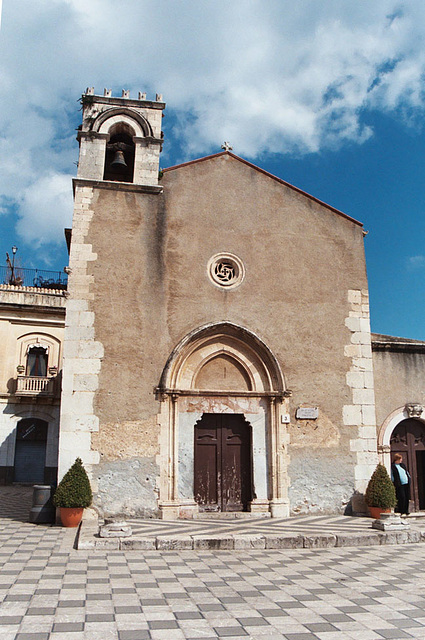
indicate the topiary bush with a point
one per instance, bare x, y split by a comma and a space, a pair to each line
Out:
380, 491
74, 489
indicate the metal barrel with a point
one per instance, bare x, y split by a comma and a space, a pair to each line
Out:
42, 510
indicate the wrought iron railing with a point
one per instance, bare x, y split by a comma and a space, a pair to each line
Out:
40, 278
35, 385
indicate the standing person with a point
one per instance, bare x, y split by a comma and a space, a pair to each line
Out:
401, 479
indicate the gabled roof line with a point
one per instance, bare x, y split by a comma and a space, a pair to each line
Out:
269, 175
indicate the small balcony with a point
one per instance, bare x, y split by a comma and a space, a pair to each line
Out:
35, 386
38, 278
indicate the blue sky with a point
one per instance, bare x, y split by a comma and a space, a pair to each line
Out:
328, 96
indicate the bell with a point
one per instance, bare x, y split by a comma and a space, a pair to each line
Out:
118, 163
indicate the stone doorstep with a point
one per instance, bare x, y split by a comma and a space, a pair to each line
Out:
415, 516
88, 539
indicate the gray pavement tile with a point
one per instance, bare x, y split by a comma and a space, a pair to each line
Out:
231, 599
188, 615
70, 604
320, 627
228, 632
72, 585
162, 624
98, 580
127, 609
98, 596
405, 623
4, 620
211, 607
153, 602
100, 617
32, 636
134, 634
301, 636
411, 613
393, 633
64, 627
273, 613
41, 611
253, 622
291, 604
337, 617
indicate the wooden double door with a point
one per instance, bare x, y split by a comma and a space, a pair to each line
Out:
223, 462
408, 438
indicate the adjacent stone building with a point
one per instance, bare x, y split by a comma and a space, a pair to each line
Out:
32, 321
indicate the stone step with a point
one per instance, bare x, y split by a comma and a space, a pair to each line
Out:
230, 515
89, 539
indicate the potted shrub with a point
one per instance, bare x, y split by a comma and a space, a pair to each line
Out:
73, 495
380, 493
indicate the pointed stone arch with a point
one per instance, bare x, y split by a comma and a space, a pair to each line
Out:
211, 340
222, 368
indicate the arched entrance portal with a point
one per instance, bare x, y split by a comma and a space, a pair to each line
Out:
223, 442
408, 438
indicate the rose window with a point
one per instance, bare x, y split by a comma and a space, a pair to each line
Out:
226, 270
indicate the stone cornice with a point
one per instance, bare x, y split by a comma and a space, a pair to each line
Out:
117, 186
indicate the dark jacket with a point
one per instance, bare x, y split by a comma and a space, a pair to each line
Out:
396, 476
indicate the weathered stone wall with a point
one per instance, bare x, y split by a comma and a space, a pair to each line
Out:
146, 286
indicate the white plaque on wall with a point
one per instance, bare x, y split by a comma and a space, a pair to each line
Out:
307, 413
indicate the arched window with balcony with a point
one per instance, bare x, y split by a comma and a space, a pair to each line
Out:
38, 364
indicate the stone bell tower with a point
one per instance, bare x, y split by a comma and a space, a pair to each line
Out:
120, 142
120, 138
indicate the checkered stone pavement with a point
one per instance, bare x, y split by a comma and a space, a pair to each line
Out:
49, 590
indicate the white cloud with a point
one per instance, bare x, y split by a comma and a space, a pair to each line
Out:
416, 262
270, 75
50, 199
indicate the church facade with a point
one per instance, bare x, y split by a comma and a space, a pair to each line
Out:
217, 353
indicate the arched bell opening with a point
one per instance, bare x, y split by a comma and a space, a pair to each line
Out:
120, 154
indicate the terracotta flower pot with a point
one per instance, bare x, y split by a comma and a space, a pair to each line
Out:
71, 516
375, 512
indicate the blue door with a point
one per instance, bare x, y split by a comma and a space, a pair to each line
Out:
30, 451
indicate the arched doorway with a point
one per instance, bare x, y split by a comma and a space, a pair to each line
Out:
408, 438
223, 396
30, 451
